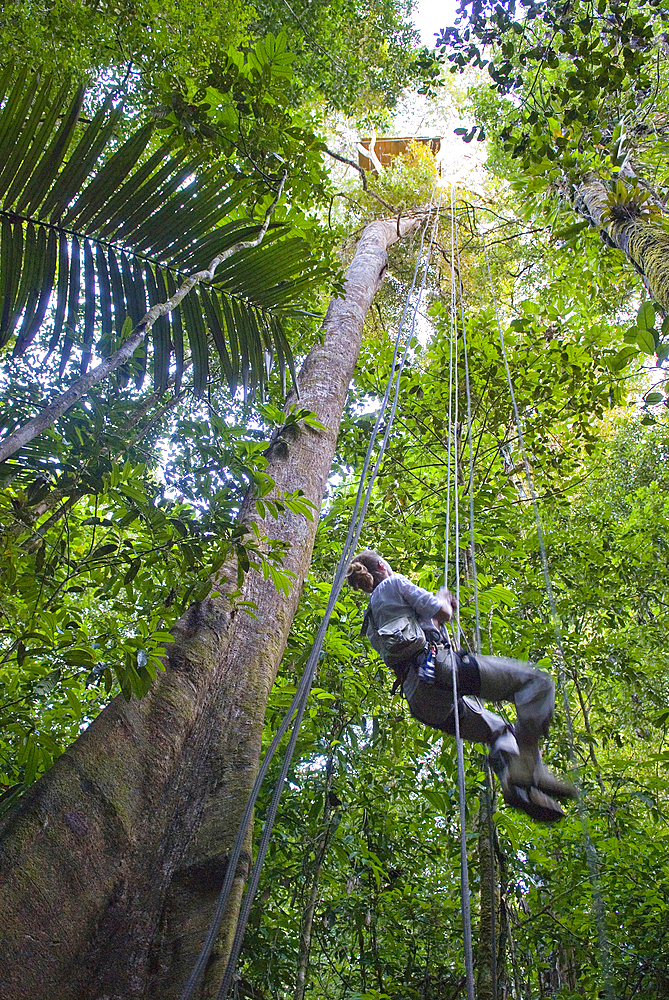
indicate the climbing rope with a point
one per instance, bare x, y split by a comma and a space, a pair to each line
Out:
299, 702
590, 851
477, 620
452, 344
453, 440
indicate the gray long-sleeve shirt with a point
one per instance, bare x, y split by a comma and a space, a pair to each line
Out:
395, 597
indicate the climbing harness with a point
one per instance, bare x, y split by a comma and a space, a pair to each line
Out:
298, 705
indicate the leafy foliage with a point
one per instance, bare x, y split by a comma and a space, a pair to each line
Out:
411, 179
145, 37
578, 116
353, 57
102, 552
372, 791
137, 231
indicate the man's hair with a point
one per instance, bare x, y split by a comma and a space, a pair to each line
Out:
363, 571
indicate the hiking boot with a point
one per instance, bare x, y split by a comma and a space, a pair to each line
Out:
528, 770
539, 807
526, 781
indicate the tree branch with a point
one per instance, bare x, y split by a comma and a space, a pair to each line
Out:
363, 177
350, 163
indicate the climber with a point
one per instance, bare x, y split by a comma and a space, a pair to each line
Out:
400, 624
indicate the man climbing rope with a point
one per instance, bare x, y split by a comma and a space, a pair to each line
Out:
400, 623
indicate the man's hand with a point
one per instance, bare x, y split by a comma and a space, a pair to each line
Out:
447, 605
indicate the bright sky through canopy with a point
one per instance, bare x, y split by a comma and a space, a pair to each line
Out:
430, 16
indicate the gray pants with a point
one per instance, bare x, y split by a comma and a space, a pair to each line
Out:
501, 679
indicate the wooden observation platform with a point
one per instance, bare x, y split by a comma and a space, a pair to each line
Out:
387, 149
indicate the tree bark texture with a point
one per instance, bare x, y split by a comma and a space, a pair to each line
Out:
110, 866
645, 244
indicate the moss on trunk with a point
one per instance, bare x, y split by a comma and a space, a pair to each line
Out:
644, 243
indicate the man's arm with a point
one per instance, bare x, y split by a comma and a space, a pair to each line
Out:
439, 606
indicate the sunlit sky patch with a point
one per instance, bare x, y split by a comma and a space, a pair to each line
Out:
430, 16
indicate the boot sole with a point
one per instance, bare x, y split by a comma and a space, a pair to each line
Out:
534, 803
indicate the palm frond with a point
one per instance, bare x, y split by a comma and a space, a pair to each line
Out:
94, 230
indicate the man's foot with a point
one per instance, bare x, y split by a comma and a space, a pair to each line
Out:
538, 806
527, 784
528, 770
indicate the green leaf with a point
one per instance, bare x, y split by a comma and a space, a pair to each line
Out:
72, 304
437, 800
104, 550
571, 232
89, 305
133, 569
197, 336
623, 358
162, 348
177, 336
646, 341
646, 316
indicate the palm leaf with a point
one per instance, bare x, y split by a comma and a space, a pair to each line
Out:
161, 330
34, 277
192, 314
89, 304
72, 302
116, 285
138, 219
235, 358
105, 294
31, 326
63, 282
12, 249
177, 337
216, 324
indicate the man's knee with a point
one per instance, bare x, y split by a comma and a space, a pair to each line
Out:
535, 705
538, 688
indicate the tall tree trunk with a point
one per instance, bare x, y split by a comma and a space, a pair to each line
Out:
111, 864
504, 933
517, 994
645, 244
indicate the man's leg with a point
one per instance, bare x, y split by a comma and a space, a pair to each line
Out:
531, 690
524, 777
482, 726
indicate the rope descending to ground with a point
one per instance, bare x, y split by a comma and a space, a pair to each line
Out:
453, 442
477, 619
590, 851
299, 702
